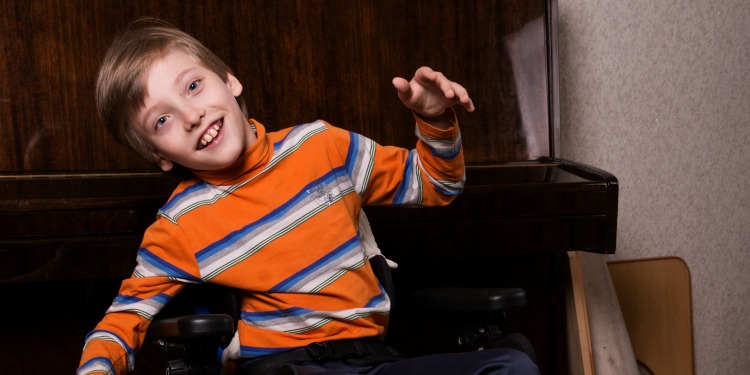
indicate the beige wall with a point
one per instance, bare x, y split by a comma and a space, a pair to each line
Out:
658, 93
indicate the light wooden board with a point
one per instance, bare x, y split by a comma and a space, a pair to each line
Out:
655, 299
580, 356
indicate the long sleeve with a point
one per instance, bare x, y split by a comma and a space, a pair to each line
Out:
159, 275
432, 174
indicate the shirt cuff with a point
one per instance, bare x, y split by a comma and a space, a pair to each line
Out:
433, 132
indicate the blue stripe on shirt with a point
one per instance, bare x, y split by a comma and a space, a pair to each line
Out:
161, 264
254, 351
274, 314
336, 253
276, 214
403, 188
182, 195
352, 152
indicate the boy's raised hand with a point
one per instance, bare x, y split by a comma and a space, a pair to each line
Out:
430, 93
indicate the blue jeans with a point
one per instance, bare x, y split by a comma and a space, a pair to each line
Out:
498, 361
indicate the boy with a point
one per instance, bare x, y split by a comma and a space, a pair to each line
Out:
274, 215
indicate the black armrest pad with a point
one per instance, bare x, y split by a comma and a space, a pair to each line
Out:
469, 299
193, 326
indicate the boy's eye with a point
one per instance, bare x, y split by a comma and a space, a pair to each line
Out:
161, 121
193, 85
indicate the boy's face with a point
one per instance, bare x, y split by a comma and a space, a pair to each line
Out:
190, 115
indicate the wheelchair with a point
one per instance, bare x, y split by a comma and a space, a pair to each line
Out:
197, 325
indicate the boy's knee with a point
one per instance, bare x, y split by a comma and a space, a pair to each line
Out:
521, 363
509, 361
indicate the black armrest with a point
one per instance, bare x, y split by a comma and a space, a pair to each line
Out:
193, 326
469, 299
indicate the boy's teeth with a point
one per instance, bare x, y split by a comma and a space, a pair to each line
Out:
209, 135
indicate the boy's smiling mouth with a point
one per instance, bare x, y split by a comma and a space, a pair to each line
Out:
211, 134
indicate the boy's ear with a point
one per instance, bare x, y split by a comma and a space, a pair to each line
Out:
234, 85
165, 164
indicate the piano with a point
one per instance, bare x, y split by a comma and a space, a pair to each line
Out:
74, 204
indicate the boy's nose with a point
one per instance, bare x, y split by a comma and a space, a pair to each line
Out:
193, 116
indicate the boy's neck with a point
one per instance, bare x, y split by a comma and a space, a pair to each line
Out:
256, 155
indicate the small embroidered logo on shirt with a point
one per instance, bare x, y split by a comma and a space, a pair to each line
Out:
322, 193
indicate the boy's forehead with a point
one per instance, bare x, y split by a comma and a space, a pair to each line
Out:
141, 84
166, 71
174, 61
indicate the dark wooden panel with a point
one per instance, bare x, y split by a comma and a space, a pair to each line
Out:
44, 324
298, 61
59, 227
541, 208
73, 204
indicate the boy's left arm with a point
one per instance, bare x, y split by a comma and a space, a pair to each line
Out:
432, 97
433, 173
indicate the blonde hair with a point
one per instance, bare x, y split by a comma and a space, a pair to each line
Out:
121, 86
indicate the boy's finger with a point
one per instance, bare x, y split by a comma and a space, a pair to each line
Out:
445, 85
448, 89
426, 73
402, 86
430, 78
463, 96
467, 103
460, 90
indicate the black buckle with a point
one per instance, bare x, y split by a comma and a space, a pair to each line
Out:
319, 350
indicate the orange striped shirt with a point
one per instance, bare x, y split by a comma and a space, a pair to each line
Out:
282, 226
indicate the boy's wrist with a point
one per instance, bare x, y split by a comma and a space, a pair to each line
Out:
444, 121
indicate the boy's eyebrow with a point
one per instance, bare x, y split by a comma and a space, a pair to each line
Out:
180, 76
144, 120
177, 80
146, 116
